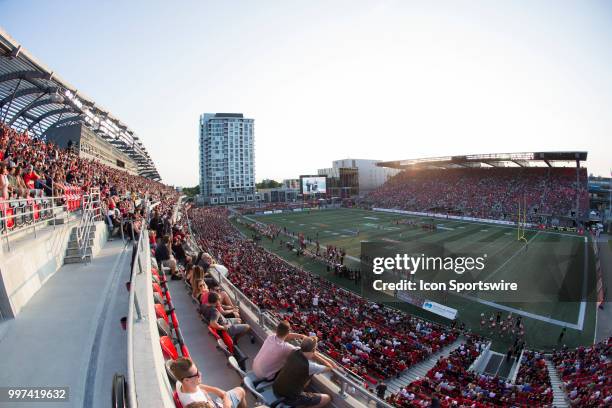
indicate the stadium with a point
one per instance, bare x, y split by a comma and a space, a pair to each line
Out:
118, 289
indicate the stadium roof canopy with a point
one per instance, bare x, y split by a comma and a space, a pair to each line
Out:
36, 99
536, 159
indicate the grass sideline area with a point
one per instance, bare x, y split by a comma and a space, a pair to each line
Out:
338, 227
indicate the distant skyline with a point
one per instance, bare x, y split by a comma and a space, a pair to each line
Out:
324, 81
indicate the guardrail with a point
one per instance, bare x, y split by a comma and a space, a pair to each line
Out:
134, 314
91, 213
23, 214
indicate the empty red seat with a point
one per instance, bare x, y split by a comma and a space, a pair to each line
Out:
161, 313
157, 289
168, 348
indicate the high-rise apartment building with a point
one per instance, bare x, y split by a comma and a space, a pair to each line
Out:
227, 158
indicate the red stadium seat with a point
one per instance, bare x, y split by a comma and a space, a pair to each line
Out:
158, 289
161, 312
227, 339
168, 349
10, 222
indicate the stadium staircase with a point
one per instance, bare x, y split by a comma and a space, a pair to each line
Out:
420, 370
559, 397
73, 253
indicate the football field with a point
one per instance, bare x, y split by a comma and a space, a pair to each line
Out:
551, 260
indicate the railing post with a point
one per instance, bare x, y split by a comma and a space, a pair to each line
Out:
140, 270
343, 387
8, 244
137, 308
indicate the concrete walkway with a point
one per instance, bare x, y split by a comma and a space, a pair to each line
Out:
69, 334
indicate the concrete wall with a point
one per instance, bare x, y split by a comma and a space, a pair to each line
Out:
32, 260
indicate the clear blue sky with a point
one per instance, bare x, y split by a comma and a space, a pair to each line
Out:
327, 80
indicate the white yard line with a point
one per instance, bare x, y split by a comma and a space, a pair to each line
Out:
577, 326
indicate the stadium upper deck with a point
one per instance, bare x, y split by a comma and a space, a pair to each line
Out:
534, 159
33, 98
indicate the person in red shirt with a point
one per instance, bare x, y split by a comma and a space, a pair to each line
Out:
30, 177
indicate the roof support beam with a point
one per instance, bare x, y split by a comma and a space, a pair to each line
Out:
27, 91
48, 114
26, 75
29, 106
11, 101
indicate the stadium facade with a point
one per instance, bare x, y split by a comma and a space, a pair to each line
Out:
227, 158
353, 177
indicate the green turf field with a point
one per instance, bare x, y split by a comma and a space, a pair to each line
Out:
549, 258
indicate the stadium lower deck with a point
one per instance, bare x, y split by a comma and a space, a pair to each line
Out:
550, 257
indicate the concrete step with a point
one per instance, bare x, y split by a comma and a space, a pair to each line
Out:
73, 235
73, 244
76, 259
76, 251
560, 399
58, 221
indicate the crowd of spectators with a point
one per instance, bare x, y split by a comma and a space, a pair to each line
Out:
586, 373
493, 193
442, 379
452, 384
371, 340
31, 167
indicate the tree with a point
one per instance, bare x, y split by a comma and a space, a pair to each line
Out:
191, 191
267, 183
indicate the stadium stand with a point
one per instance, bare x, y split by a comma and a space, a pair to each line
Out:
586, 373
493, 193
34, 169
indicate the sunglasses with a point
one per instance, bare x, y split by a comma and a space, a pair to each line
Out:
195, 375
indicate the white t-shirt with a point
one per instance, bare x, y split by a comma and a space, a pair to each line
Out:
271, 356
315, 368
187, 398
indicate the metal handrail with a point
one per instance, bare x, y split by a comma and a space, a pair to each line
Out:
87, 220
18, 202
